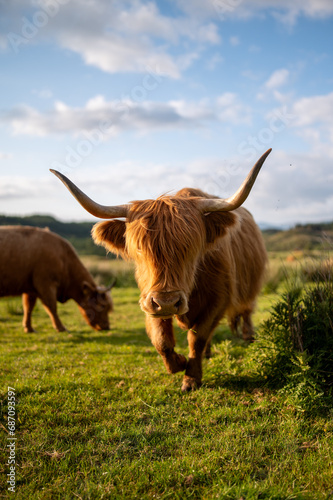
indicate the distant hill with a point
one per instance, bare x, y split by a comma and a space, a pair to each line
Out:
78, 233
301, 237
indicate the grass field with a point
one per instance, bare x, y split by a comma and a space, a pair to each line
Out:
98, 417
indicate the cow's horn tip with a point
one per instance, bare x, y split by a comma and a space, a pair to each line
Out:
57, 174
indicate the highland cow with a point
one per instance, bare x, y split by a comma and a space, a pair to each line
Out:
198, 258
37, 263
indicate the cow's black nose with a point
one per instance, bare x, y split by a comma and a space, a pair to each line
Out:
165, 304
172, 302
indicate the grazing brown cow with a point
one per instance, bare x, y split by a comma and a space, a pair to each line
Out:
197, 258
37, 263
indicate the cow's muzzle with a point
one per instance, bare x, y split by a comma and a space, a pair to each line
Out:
165, 304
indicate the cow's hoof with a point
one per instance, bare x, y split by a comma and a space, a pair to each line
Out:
190, 384
29, 330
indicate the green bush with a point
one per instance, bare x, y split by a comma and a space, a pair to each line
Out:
294, 347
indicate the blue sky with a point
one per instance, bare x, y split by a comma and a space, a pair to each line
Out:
132, 99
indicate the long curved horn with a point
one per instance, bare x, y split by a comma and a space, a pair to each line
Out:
101, 211
237, 199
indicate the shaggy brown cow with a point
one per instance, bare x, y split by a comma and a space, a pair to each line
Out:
37, 263
197, 258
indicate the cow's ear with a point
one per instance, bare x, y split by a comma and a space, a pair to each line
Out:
217, 224
111, 235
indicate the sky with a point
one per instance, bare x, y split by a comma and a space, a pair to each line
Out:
131, 99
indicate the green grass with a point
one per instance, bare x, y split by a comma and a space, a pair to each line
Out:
99, 418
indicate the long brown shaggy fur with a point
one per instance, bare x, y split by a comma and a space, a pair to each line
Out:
216, 260
167, 236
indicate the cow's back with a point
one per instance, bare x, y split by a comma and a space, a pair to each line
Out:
28, 254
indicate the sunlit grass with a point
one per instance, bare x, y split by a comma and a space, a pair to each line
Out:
98, 417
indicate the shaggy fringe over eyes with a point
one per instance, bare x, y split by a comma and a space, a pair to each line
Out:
168, 233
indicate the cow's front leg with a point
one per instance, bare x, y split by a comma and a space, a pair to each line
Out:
193, 374
28, 301
160, 332
199, 339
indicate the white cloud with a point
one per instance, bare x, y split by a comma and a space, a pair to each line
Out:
307, 118
14, 187
231, 110
293, 187
290, 188
111, 117
313, 123
277, 79
113, 53
284, 10
315, 109
124, 36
